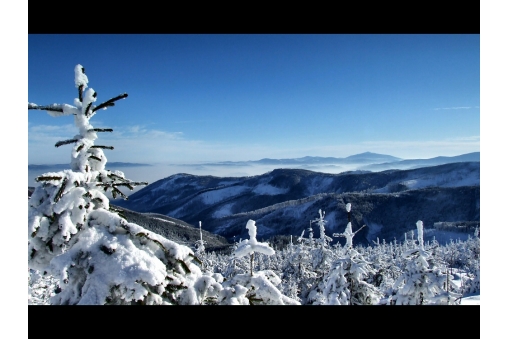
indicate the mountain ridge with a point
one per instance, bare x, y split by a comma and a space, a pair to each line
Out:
355, 158
217, 199
417, 163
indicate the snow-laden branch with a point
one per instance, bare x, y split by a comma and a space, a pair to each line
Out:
249, 246
110, 102
66, 142
100, 130
53, 107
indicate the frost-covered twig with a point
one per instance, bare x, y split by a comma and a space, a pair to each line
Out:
53, 107
110, 102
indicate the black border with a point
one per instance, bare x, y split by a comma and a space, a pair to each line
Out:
358, 321
163, 18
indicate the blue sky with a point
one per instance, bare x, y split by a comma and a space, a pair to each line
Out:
205, 98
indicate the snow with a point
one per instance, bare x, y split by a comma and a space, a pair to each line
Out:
266, 189
128, 265
294, 209
263, 282
419, 226
319, 185
223, 211
80, 78
251, 245
471, 300
171, 181
455, 180
171, 222
214, 196
462, 177
348, 233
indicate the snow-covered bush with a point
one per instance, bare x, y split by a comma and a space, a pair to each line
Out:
260, 288
322, 254
472, 285
97, 256
386, 269
420, 283
251, 245
298, 269
200, 244
344, 283
235, 265
254, 288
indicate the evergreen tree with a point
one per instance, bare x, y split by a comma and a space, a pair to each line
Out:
321, 254
344, 284
235, 265
99, 257
255, 288
200, 250
300, 266
472, 264
420, 283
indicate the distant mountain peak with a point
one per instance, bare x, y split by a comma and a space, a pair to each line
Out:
371, 155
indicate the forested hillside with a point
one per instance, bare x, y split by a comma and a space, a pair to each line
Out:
284, 200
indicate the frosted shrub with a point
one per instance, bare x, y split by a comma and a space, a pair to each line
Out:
344, 283
255, 288
322, 254
420, 283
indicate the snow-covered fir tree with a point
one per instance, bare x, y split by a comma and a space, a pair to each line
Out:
471, 254
299, 266
235, 265
200, 244
252, 245
253, 288
385, 269
97, 256
322, 255
200, 249
345, 282
421, 283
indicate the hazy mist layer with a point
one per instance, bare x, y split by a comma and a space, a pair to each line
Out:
153, 173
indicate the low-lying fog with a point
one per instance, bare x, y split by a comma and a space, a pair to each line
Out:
153, 173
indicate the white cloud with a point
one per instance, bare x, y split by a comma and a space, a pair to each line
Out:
42, 140
140, 132
132, 144
142, 144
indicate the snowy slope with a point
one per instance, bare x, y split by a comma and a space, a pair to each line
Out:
279, 199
